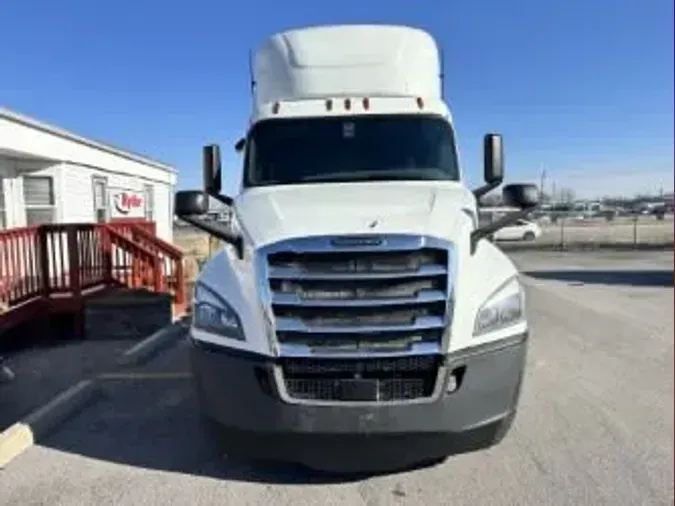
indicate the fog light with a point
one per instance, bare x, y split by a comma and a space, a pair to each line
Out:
455, 380
452, 383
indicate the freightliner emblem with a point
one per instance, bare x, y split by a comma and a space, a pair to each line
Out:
350, 242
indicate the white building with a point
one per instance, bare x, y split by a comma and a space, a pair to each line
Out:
49, 175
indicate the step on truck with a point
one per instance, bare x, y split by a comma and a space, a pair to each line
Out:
357, 318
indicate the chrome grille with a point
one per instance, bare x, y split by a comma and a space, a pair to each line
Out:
389, 298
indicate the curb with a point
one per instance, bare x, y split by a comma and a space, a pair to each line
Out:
150, 346
22, 435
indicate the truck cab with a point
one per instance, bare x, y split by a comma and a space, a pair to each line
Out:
357, 317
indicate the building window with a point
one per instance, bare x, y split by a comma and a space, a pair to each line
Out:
100, 188
149, 193
38, 196
3, 211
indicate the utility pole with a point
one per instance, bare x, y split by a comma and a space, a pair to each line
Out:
542, 183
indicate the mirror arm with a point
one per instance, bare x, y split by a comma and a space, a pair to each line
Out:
218, 231
485, 189
491, 228
223, 199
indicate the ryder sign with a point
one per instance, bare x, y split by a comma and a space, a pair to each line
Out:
126, 204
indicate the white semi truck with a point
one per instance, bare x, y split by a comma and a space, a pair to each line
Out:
356, 318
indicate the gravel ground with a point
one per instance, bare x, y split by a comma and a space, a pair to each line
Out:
595, 423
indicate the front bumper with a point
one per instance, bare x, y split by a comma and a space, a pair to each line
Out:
238, 393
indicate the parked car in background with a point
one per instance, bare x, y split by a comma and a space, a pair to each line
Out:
522, 230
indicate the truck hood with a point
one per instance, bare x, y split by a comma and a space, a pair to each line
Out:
270, 214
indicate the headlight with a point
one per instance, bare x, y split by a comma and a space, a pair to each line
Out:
212, 314
502, 309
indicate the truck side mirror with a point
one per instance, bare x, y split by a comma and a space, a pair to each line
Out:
522, 196
212, 169
493, 164
191, 203
493, 159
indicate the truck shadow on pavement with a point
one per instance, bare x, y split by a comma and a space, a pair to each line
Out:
644, 278
155, 425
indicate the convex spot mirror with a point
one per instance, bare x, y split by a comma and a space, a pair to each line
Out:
191, 203
522, 196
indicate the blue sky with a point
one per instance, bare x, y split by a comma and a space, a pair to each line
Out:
583, 88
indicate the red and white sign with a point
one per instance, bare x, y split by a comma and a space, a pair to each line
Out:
127, 204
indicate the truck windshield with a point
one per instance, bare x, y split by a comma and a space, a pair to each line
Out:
350, 149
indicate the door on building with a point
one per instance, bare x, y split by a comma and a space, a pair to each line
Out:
100, 189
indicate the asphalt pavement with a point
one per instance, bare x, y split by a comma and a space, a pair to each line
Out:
595, 424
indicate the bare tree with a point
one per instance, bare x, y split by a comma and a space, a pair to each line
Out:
566, 195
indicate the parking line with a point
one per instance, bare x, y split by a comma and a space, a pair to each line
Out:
144, 375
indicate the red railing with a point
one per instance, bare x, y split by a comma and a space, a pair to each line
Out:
21, 277
128, 225
133, 264
171, 258
171, 261
59, 264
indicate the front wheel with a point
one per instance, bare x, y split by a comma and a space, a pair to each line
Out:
529, 236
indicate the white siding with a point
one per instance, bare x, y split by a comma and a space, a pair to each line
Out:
77, 195
74, 192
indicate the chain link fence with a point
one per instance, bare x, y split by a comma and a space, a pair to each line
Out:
638, 231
